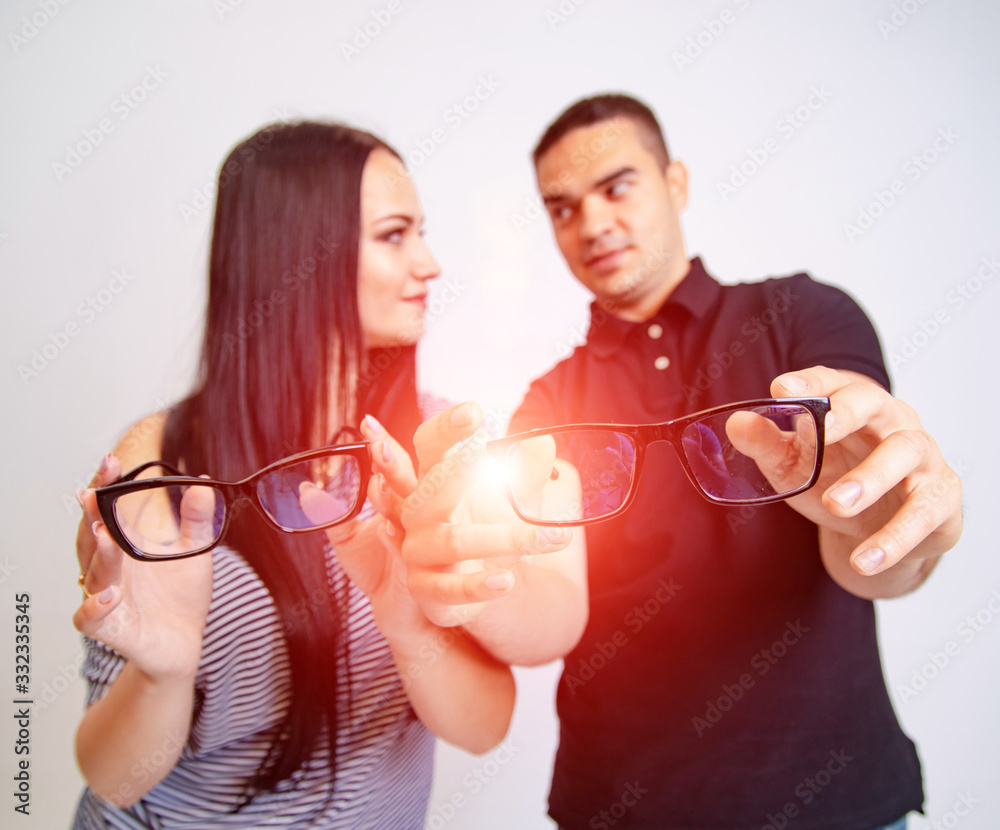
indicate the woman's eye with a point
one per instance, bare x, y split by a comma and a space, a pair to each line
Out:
394, 237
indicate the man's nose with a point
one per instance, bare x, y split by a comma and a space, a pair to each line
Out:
596, 217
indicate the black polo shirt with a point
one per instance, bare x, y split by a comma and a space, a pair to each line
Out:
724, 680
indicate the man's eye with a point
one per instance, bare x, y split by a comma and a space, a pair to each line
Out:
619, 188
560, 213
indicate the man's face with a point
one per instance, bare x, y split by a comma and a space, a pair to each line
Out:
616, 215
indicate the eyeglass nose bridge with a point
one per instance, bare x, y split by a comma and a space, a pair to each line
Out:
238, 500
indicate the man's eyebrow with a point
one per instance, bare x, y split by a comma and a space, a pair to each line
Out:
624, 171
617, 174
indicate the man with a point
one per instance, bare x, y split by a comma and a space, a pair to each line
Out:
728, 673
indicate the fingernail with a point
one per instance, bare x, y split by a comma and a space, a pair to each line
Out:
80, 496
374, 425
553, 535
95, 526
500, 582
104, 463
870, 560
106, 595
846, 494
383, 485
462, 416
390, 529
386, 452
795, 384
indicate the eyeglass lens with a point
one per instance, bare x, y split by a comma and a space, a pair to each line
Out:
734, 456
310, 494
754, 453
171, 519
174, 519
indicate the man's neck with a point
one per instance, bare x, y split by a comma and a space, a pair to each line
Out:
647, 308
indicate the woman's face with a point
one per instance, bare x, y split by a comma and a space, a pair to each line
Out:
394, 264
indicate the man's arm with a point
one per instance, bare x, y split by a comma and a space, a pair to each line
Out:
887, 505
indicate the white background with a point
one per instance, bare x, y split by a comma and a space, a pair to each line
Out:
136, 202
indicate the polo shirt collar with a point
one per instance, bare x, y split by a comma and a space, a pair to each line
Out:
697, 294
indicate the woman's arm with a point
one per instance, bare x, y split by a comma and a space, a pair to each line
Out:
153, 615
461, 693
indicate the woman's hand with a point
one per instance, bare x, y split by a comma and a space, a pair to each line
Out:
152, 613
369, 549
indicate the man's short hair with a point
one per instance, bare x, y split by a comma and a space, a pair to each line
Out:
598, 108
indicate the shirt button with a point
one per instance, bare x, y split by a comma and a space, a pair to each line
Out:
655, 331
661, 362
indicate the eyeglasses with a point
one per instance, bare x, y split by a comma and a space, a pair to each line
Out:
154, 512
752, 452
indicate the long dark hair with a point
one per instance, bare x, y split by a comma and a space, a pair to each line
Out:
282, 333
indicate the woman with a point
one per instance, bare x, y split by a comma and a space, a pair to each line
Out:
251, 687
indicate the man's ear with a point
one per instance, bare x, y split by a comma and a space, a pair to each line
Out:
676, 176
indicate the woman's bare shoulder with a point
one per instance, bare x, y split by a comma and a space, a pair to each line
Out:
142, 442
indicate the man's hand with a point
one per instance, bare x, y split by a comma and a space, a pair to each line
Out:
887, 505
468, 559
461, 535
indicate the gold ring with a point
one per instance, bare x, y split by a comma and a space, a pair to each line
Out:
80, 582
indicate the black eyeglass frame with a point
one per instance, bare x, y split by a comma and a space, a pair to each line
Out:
642, 435
232, 492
